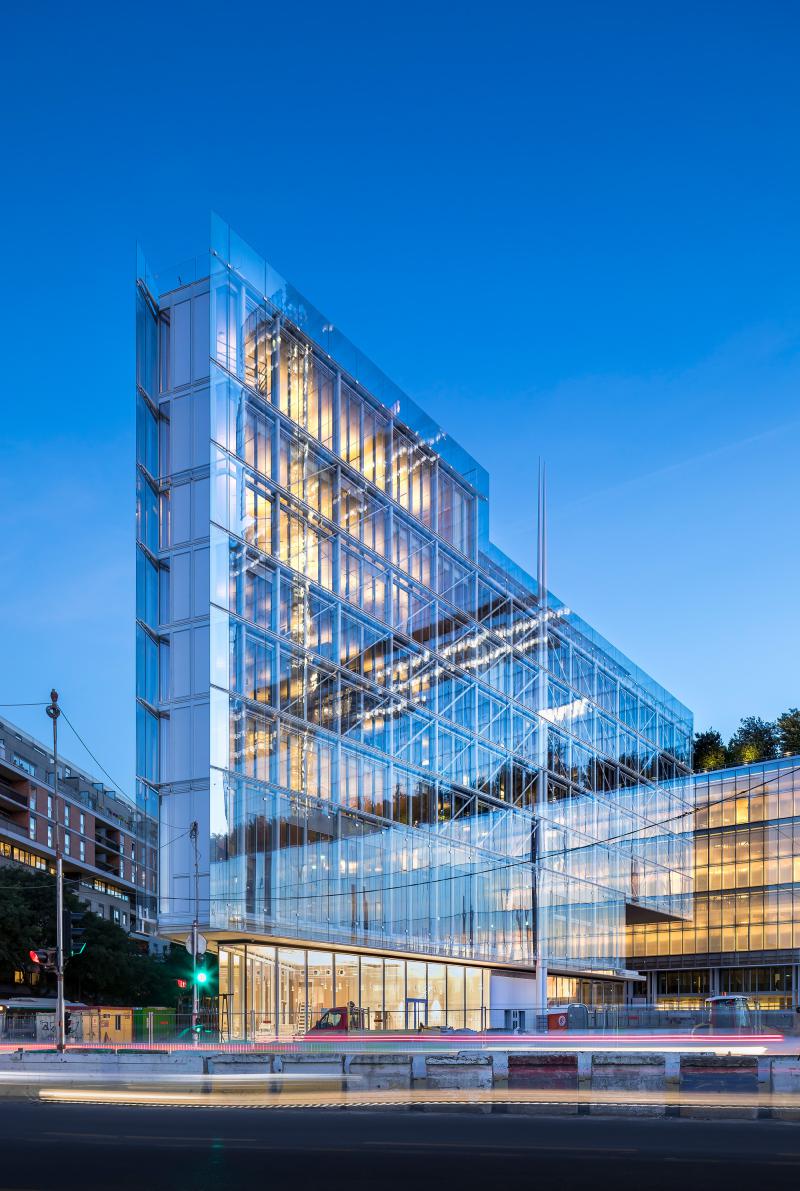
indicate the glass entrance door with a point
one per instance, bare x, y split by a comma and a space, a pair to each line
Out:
416, 1012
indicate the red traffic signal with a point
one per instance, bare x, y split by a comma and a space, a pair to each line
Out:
45, 958
181, 983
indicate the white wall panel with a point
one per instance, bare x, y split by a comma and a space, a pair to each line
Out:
181, 741
202, 581
180, 583
200, 336
181, 664
200, 507
200, 660
201, 428
180, 513
181, 433
180, 345
200, 741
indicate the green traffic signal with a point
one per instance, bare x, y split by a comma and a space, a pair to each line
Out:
202, 977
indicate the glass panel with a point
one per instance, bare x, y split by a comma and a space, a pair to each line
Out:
260, 992
346, 971
147, 590
455, 996
292, 1014
146, 666
437, 995
416, 995
395, 976
474, 1016
372, 991
146, 437
236, 986
320, 985
146, 514
146, 745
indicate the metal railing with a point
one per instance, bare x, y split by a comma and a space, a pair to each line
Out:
158, 1027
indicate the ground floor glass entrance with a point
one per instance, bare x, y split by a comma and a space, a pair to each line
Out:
281, 992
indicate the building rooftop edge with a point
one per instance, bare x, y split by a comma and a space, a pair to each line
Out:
78, 770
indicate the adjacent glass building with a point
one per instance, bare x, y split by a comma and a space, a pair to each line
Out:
744, 933
416, 774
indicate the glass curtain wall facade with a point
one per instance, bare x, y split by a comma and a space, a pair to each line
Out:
390, 739
744, 933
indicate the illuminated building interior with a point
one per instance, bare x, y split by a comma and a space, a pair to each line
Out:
395, 741
744, 934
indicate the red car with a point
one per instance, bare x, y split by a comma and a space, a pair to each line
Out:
343, 1019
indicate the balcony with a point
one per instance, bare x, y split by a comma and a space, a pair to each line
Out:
12, 799
7, 824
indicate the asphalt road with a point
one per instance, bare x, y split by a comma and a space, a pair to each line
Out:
88, 1147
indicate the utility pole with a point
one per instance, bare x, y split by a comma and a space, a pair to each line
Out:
541, 706
193, 837
54, 711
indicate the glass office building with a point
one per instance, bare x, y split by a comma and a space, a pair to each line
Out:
415, 773
744, 933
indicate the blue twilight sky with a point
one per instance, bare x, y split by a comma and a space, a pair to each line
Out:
569, 230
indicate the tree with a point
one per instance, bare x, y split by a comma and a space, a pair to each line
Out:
27, 917
754, 740
112, 969
789, 732
709, 751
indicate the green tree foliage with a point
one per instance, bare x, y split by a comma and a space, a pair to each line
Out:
112, 970
709, 751
789, 732
27, 917
754, 740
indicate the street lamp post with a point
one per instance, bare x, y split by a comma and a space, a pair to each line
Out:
54, 711
195, 928
541, 737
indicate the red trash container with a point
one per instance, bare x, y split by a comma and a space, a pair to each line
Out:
557, 1019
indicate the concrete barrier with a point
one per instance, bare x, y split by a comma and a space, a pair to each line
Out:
543, 1071
727, 1074
310, 1064
105, 1062
719, 1073
628, 1070
261, 1064
459, 1071
379, 1071
762, 1080
785, 1074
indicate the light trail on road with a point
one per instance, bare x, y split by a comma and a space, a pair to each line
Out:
564, 1100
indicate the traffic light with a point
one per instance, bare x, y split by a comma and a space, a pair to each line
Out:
45, 958
67, 1022
205, 980
181, 983
74, 931
77, 931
